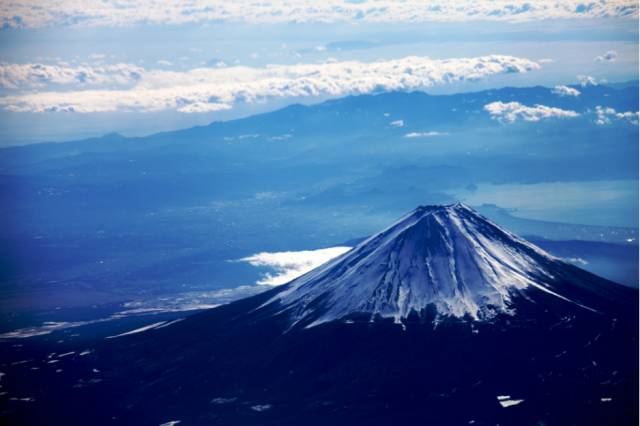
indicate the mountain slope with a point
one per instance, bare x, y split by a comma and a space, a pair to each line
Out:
449, 258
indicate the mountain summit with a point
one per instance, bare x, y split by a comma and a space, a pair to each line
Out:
436, 261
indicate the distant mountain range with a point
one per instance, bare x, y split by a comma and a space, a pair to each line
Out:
297, 126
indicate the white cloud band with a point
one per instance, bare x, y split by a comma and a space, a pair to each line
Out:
16, 76
510, 112
211, 89
39, 13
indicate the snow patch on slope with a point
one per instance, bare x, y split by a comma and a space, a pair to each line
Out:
140, 330
506, 401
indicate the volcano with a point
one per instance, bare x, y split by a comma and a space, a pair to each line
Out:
442, 318
447, 260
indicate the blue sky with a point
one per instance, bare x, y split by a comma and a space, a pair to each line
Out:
77, 69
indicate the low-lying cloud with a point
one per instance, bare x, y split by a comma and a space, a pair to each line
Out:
211, 89
289, 265
607, 115
112, 13
510, 112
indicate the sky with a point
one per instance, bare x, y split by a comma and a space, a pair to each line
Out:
77, 69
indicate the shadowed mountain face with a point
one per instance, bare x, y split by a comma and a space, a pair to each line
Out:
442, 318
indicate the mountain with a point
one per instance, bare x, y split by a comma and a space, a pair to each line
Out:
441, 318
447, 258
388, 115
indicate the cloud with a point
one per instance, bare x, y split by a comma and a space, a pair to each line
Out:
20, 76
397, 123
211, 89
289, 265
606, 115
424, 134
164, 63
510, 112
609, 56
587, 80
565, 91
115, 13
187, 100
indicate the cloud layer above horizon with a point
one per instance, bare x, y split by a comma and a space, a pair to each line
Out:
42, 13
124, 87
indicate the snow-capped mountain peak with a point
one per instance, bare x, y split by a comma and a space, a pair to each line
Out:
443, 258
